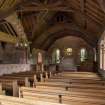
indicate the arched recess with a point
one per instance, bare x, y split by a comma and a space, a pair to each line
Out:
63, 33
56, 56
75, 44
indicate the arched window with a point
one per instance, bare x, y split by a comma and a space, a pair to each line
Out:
60, 18
56, 56
83, 54
40, 59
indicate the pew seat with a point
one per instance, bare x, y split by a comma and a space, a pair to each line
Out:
74, 92
58, 96
82, 81
73, 85
7, 100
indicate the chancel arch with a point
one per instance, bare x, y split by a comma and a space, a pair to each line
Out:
70, 48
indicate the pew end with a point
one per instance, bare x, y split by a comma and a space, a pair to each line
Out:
27, 83
15, 88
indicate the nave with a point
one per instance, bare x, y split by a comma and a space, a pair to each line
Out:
52, 52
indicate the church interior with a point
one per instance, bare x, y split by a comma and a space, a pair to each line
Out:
52, 52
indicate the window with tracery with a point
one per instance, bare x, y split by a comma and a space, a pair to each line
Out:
68, 51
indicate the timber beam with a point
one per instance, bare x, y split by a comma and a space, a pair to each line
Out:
4, 37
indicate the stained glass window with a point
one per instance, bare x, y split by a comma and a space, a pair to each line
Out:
68, 51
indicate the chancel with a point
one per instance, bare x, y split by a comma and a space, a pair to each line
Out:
52, 52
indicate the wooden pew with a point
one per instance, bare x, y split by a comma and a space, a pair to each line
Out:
89, 90
39, 75
20, 76
21, 79
74, 91
11, 85
58, 90
79, 73
82, 75
77, 79
73, 85
7, 100
59, 96
72, 77
81, 81
30, 75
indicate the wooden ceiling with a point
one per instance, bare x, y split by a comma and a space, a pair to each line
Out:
7, 28
45, 21
8, 6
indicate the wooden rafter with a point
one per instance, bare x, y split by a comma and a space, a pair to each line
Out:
82, 11
82, 5
44, 8
8, 38
102, 4
42, 26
